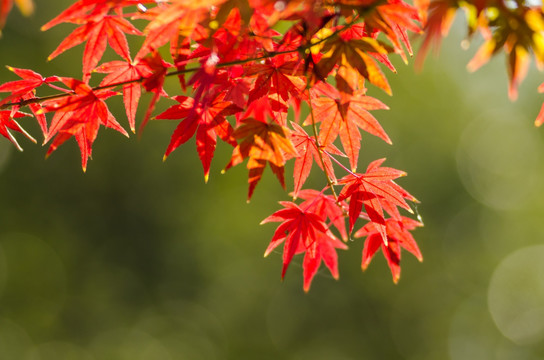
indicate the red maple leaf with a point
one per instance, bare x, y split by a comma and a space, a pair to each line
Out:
31, 80
261, 142
375, 190
79, 115
83, 11
264, 108
327, 207
358, 31
394, 19
276, 77
97, 31
25, 89
342, 115
399, 236
304, 231
123, 71
353, 54
207, 119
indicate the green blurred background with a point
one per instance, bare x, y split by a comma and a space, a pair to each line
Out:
139, 259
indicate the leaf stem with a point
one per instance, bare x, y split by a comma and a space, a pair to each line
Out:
340, 164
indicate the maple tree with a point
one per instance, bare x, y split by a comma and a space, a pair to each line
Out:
247, 70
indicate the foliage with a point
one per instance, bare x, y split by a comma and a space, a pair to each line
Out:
246, 66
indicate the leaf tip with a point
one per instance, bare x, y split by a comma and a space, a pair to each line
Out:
206, 178
164, 157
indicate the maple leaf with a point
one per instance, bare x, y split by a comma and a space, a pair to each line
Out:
24, 89
308, 152
399, 236
264, 108
343, 115
261, 142
207, 119
374, 190
358, 31
128, 72
97, 32
79, 115
353, 54
31, 80
518, 32
7, 122
394, 19
83, 11
304, 231
327, 207
276, 77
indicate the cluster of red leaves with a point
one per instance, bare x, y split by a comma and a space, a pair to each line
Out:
243, 65
515, 27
